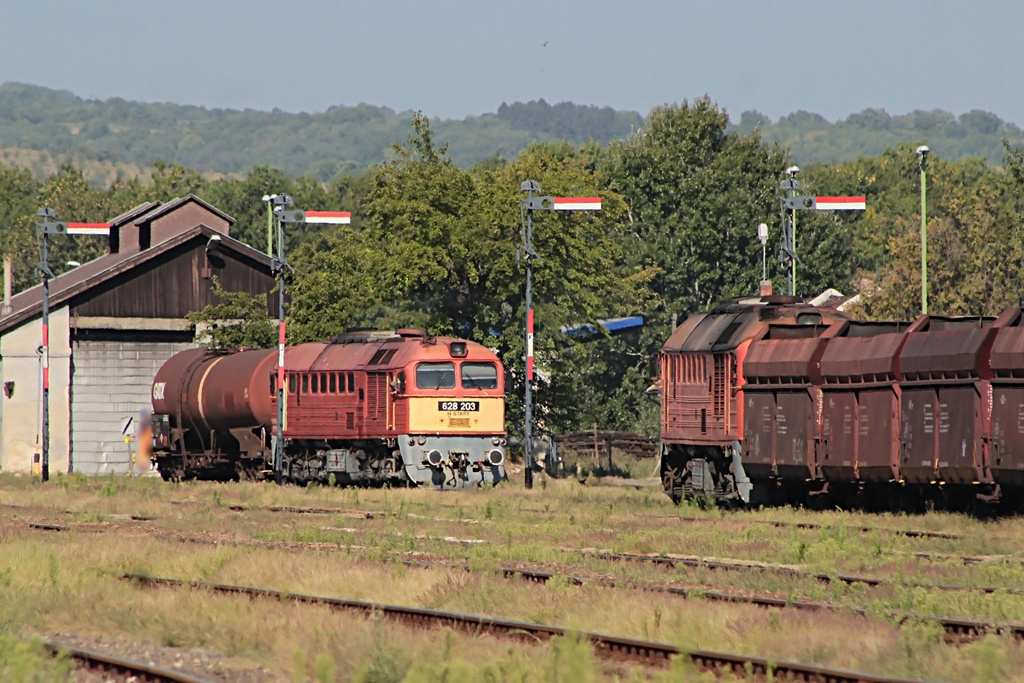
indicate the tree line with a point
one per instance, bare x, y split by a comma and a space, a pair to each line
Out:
40, 128
434, 245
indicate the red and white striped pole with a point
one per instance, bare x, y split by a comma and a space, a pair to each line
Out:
279, 208
50, 226
530, 203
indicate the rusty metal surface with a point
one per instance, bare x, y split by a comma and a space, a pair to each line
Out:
1006, 458
878, 431
795, 432
863, 353
790, 354
703, 366
839, 433
759, 434
919, 437
947, 349
1007, 356
215, 391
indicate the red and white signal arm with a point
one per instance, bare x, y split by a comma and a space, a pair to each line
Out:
329, 217
577, 204
88, 228
858, 203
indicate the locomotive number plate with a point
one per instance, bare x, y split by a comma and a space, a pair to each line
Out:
459, 406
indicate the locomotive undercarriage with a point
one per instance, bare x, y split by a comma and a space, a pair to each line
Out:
443, 462
702, 472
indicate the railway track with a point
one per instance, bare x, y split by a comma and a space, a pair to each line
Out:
956, 629
614, 648
107, 664
663, 560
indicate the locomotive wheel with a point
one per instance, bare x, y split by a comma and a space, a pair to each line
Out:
672, 483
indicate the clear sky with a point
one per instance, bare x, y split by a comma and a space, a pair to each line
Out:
453, 58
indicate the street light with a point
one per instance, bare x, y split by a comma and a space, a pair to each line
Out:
922, 152
762, 234
268, 199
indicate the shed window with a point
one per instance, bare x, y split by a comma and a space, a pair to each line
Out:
323, 382
334, 383
315, 385
351, 384
479, 376
435, 376
291, 383
305, 384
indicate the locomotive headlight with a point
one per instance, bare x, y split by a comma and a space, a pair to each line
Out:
496, 457
421, 439
435, 458
495, 440
457, 349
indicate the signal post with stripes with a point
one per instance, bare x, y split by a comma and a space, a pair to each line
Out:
791, 203
49, 225
533, 203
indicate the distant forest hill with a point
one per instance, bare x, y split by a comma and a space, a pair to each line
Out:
40, 127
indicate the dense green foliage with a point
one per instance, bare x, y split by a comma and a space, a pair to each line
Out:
813, 139
339, 140
433, 244
51, 127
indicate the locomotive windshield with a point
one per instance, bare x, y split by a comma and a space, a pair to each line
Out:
479, 376
435, 376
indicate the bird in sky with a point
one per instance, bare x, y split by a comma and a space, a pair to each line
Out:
544, 44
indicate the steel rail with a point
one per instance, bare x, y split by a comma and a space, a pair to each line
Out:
107, 663
616, 648
687, 561
957, 629
656, 559
816, 526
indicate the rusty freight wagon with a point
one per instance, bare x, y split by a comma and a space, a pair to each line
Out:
368, 407
702, 409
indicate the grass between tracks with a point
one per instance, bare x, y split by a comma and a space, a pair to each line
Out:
68, 581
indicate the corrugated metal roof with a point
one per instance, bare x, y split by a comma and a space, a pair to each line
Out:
28, 305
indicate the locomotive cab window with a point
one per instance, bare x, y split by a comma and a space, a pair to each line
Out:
435, 376
479, 376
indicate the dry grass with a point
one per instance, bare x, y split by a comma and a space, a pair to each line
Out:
48, 581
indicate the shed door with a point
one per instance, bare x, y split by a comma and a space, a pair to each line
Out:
111, 378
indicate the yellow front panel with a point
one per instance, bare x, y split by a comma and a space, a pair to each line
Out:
431, 415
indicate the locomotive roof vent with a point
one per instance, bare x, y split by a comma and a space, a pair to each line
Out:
410, 332
363, 336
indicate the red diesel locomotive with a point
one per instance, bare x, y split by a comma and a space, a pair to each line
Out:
369, 407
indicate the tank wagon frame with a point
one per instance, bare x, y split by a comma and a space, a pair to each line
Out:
367, 408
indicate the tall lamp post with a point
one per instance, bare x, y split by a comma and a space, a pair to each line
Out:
530, 204
922, 152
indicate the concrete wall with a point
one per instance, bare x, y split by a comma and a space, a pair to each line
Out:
20, 428
111, 384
